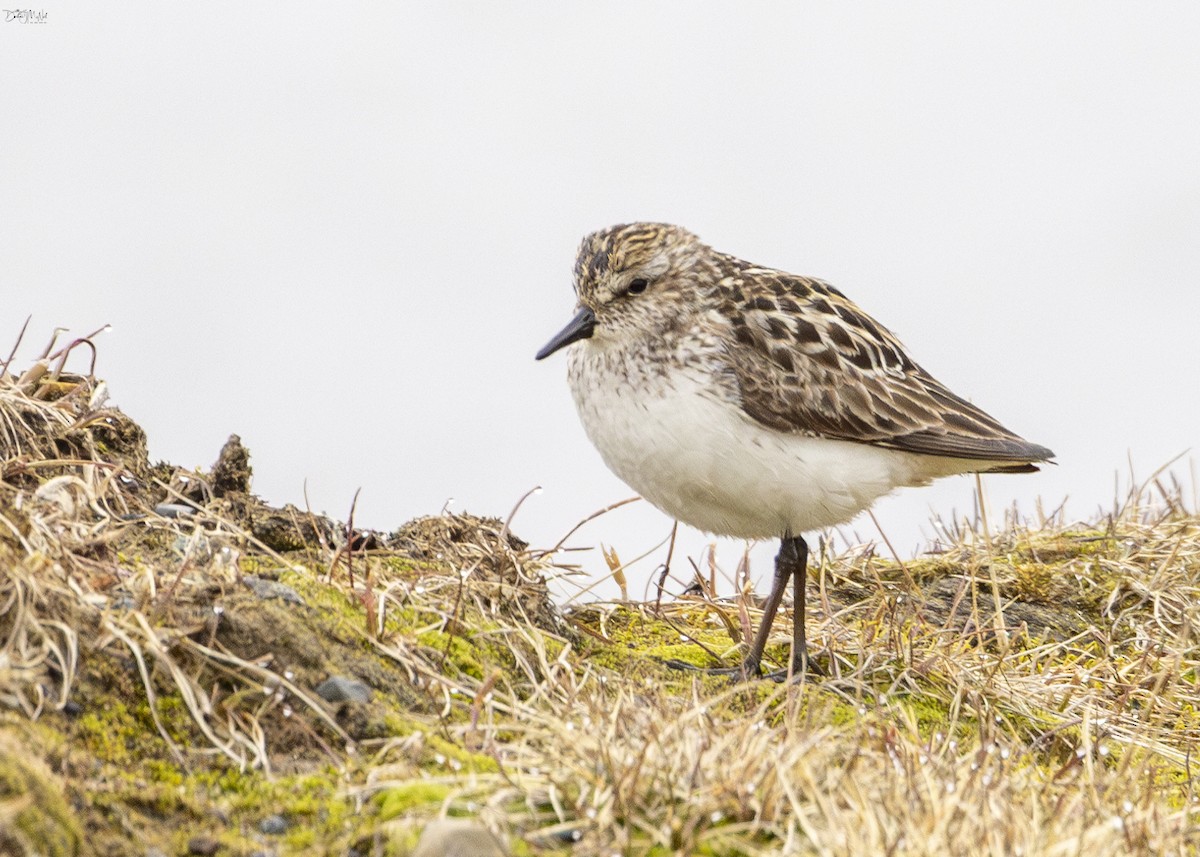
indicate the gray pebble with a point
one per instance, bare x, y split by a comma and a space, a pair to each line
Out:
273, 825
122, 601
457, 837
174, 510
264, 588
203, 846
340, 688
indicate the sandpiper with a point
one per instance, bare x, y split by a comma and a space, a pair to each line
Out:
749, 402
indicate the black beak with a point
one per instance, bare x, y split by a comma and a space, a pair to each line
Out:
580, 327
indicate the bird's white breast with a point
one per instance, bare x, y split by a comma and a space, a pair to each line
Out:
679, 440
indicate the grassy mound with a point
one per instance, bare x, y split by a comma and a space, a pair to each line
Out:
184, 669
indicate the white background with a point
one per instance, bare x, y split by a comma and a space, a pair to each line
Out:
342, 230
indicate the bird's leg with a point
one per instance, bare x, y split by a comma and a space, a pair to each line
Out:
784, 565
800, 661
793, 560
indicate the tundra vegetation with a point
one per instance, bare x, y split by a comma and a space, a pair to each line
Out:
186, 669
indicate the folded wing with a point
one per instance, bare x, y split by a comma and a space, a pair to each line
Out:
807, 360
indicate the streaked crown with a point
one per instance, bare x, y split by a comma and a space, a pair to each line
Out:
609, 260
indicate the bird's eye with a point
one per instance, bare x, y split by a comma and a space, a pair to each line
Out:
638, 286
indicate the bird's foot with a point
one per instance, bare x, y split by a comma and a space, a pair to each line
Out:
797, 672
750, 670
743, 672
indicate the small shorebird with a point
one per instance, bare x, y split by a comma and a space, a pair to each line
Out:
749, 402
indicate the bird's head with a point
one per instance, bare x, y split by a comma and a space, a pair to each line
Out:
633, 280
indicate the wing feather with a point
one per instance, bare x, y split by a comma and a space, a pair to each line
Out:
807, 360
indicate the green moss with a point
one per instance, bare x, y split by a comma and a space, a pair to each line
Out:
440, 756
35, 818
927, 570
836, 712
111, 734
254, 564
1067, 545
458, 652
1034, 582
631, 643
461, 758
400, 565
931, 714
417, 795
137, 786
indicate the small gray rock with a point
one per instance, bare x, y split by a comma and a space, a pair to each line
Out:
457, 837
122, 601
174, 510
203, 846
197, 549
264, 589
273, 825
340, 688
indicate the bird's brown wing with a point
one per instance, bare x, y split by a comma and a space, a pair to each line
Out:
805, 359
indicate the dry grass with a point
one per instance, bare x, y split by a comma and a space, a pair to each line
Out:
1031, 691
924, 741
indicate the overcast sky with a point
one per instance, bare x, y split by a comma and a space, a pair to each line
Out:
342, 231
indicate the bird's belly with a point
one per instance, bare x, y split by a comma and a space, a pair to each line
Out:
703, 461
